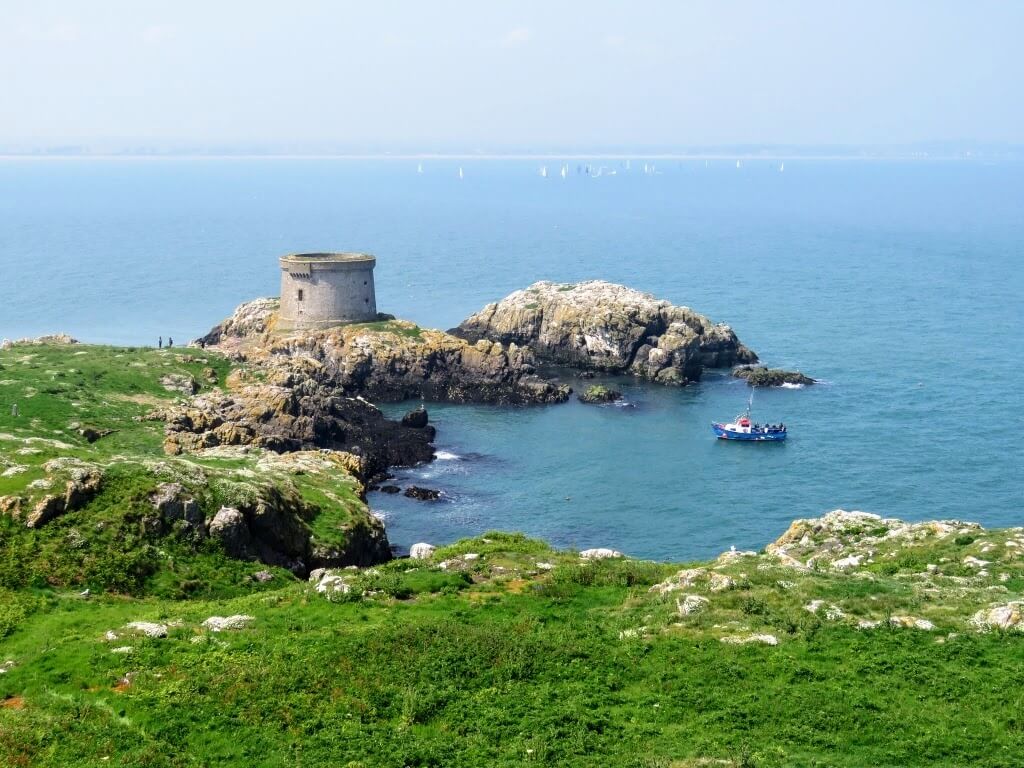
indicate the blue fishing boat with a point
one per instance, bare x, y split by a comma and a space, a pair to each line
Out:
742, 428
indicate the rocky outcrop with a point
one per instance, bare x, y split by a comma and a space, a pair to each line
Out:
760, 376
272, 525
292, 411
174, 509
249, 320
846, 541
600, 553
417, 419
421, 551
228, 527
52, 338
388, 360
180, 382
227, 623
41, 503
608, 327
422, 494
599, 394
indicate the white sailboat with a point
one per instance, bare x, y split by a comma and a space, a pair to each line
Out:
543, 171
782, 167
461, 175
565, 171
419, 168
627, 165
739, 164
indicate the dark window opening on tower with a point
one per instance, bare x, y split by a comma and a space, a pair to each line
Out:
364, 282
300, 294
366, 300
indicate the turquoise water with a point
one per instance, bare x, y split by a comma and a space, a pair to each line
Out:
898, 284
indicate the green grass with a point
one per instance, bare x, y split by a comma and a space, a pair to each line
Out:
397, 327
488, 666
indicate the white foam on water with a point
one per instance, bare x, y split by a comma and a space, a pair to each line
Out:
446, 456
790, 385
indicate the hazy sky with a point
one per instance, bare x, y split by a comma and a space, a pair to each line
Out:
523, 73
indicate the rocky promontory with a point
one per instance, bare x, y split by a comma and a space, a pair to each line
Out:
285, 411
607, 327
388, 360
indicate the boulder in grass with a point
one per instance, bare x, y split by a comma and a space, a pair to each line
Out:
600, 553
422, 551
223, 623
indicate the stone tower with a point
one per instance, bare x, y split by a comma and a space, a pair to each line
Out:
323, 289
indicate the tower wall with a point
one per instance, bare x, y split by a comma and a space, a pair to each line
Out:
323, 289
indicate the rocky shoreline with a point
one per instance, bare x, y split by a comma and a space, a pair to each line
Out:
304, 397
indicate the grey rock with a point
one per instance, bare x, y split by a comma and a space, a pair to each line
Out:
228, 527
602, 326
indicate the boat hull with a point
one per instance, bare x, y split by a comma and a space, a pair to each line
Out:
751, 437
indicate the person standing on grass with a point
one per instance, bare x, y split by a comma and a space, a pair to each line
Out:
160, 343
170, 342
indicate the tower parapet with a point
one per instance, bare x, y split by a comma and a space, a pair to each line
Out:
319, 290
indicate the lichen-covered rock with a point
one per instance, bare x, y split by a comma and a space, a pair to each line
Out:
81, 483
764, 639
294, 412
226, 623
1008, 617
422, 551
849, 540
830, 612
253, 318
50, 338
691, 604
911, 622
600, 553
681, 580
760, 376
173, 505
329, 582
228, 527
603, 326
179, 382
148, 628
599, 394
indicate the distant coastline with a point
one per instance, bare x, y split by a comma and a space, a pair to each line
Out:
319, 150
921, 157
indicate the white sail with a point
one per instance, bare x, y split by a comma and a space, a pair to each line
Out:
739, 164
419, 168
461, 176
565, 171
782, 167
543, 171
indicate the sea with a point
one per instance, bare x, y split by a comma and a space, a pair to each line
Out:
898, 284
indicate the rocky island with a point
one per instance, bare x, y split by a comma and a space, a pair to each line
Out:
762, 376
606, 327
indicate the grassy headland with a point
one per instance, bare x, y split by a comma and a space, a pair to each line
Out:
852, 641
